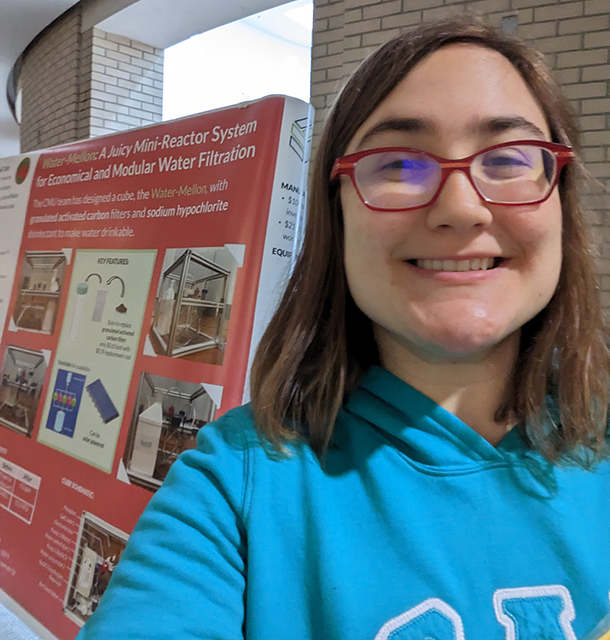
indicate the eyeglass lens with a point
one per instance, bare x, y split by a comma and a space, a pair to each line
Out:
402, 179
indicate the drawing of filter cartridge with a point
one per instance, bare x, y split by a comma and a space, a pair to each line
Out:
79, 307
65, 402
102, 401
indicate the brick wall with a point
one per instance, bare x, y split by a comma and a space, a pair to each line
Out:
573, 35
79, 85
124, 86
50, 85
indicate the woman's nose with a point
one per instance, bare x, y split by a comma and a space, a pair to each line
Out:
459, 206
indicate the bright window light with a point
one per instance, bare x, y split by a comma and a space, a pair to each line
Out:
266, 54
302, 15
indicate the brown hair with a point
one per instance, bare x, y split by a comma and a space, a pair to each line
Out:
319, 343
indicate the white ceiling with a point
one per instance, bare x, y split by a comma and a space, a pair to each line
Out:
160, 23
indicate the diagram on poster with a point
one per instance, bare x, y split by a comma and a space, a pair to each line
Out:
94, 360
66, 400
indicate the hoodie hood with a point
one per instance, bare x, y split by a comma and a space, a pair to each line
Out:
426, 433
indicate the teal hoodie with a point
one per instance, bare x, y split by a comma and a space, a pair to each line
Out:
413, 527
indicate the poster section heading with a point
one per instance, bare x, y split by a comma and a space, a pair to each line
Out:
173, 174
172, 162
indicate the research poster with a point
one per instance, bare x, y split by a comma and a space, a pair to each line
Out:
137, 274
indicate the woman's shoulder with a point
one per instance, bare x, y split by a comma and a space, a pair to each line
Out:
236, 435
236, 429
231, 451
223, 445
237, 432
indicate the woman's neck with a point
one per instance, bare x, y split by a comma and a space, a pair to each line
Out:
470, 388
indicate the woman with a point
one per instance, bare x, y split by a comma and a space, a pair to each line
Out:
430, 398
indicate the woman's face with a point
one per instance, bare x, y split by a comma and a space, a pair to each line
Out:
457, 101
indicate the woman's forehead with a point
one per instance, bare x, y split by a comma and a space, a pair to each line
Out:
459, 90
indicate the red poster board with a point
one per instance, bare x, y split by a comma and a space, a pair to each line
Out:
137, 273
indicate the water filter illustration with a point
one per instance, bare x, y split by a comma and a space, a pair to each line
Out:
49, 316
100, 298
65, 402
58, 425
121, 308
79, 307
100, 301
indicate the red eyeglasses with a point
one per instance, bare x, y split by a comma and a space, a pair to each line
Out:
401, 179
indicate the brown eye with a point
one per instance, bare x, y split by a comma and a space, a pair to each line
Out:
507, 163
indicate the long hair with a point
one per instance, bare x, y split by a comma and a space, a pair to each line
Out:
319, 344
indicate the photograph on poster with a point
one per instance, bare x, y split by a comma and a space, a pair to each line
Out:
42, 277
193, 304
98, 549
167, 416
23, 372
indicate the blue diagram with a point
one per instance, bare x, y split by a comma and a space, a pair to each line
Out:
65, 402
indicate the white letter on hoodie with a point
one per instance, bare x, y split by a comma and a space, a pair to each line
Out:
432, 618
530, 613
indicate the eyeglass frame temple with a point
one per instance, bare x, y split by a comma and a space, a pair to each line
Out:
346, 165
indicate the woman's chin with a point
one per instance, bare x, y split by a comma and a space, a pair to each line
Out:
450, 344
461, 350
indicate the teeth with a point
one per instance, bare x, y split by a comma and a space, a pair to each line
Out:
476, 264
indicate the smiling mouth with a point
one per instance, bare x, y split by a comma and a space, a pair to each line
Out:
476, 264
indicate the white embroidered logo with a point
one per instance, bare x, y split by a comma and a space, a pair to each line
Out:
426, 620
526, 613
553, 607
